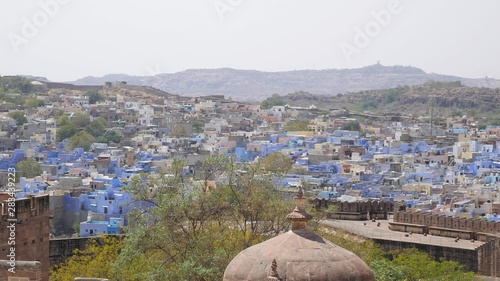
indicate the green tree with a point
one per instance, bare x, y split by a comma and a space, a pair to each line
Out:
366, 249
97, 127
57, 112
391, 97
351, 126
481, 126
190, 233
81, 139
94, 97
408, 265
65, 129
197, 127
63, 120
95, 261
15, 84
274, 100
34, 103
385, 270
296, 126
80, 119
19, 116
276, 163
179, 131
457, 113
29, 168
420, 266
65, 132
495, 121
109, 136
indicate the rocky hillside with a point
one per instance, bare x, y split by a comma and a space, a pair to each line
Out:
446, 98
258, 85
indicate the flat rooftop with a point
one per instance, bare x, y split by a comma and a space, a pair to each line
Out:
371, 231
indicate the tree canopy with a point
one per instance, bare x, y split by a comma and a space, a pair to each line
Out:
34, 102
179, 131
351, 126
94, 97
277, 163
191, 230
94, 261
81, 139
65, 129
96, 127
197, 230
15, 84
274, 100
109, 136
19, 116
29, 168
299, 125
80, 119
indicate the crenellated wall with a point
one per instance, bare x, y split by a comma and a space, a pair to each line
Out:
436, 222
356, 210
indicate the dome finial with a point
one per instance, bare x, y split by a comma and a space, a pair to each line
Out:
274, 273
299, 216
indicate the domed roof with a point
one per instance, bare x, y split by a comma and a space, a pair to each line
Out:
297, 255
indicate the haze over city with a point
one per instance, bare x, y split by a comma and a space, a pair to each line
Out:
67, 40
249, 140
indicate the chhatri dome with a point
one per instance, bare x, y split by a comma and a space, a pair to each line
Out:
298, 255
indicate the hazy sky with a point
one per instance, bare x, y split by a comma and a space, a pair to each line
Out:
68, 39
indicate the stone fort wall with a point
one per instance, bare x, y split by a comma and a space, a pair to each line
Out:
442, 221
356, 210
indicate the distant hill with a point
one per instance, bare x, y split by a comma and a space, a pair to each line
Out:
447, 99
258, 85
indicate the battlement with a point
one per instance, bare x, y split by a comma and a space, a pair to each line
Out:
447, 226
359, 210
